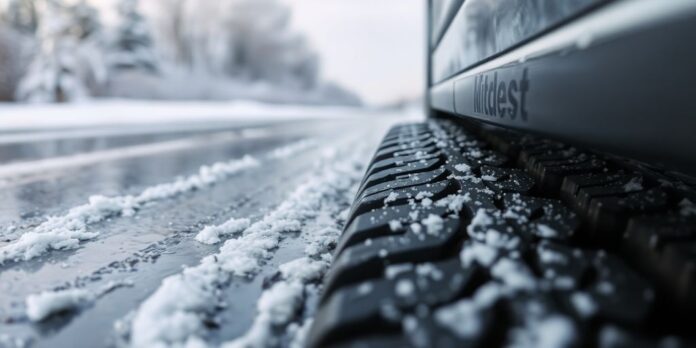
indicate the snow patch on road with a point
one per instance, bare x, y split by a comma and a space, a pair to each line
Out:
42, 305
174, 314
67, 231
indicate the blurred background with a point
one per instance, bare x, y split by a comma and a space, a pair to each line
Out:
327, 52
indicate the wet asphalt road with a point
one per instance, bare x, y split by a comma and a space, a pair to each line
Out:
47, 173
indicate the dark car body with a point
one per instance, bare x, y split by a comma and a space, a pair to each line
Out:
615, 76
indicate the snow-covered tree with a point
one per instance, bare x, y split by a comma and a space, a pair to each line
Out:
20, 15
241, 39
132, 46
68, 61
264, 48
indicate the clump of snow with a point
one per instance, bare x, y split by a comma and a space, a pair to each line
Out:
545, 231
212, 234
633, 185
479, 252
416, 227
429, 270
306, 269
393, 196
482, 229
480, 223
365, 288
325, 239
542, 327
67, 231
514, 274
394, 270
277, 306
9, 341
605, 288
433, 224
174, 313
475, 153
555, 332
454, 203
611, 336
489, 178
404, 288
463, 318
464, 168
547, 255
395, 225
584, 304
687, 208
41, 306
298, 333
423, 194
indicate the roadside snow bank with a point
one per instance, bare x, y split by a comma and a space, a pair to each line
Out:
67, 231
174, 314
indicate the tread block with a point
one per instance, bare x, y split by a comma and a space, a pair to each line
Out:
387, 154
386, 302
608, 216
385, 222
542, 217
402, 172
409, 195
578, 190
507, 179
413, 180
405, 139
412, 147
399, 161
370, 258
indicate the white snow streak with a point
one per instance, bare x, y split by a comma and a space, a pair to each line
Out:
212, 234
67, 231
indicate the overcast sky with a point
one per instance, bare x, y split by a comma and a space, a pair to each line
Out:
373, 47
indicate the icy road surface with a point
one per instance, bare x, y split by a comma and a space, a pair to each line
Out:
211, 233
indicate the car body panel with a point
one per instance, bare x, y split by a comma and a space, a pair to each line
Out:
619, 79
